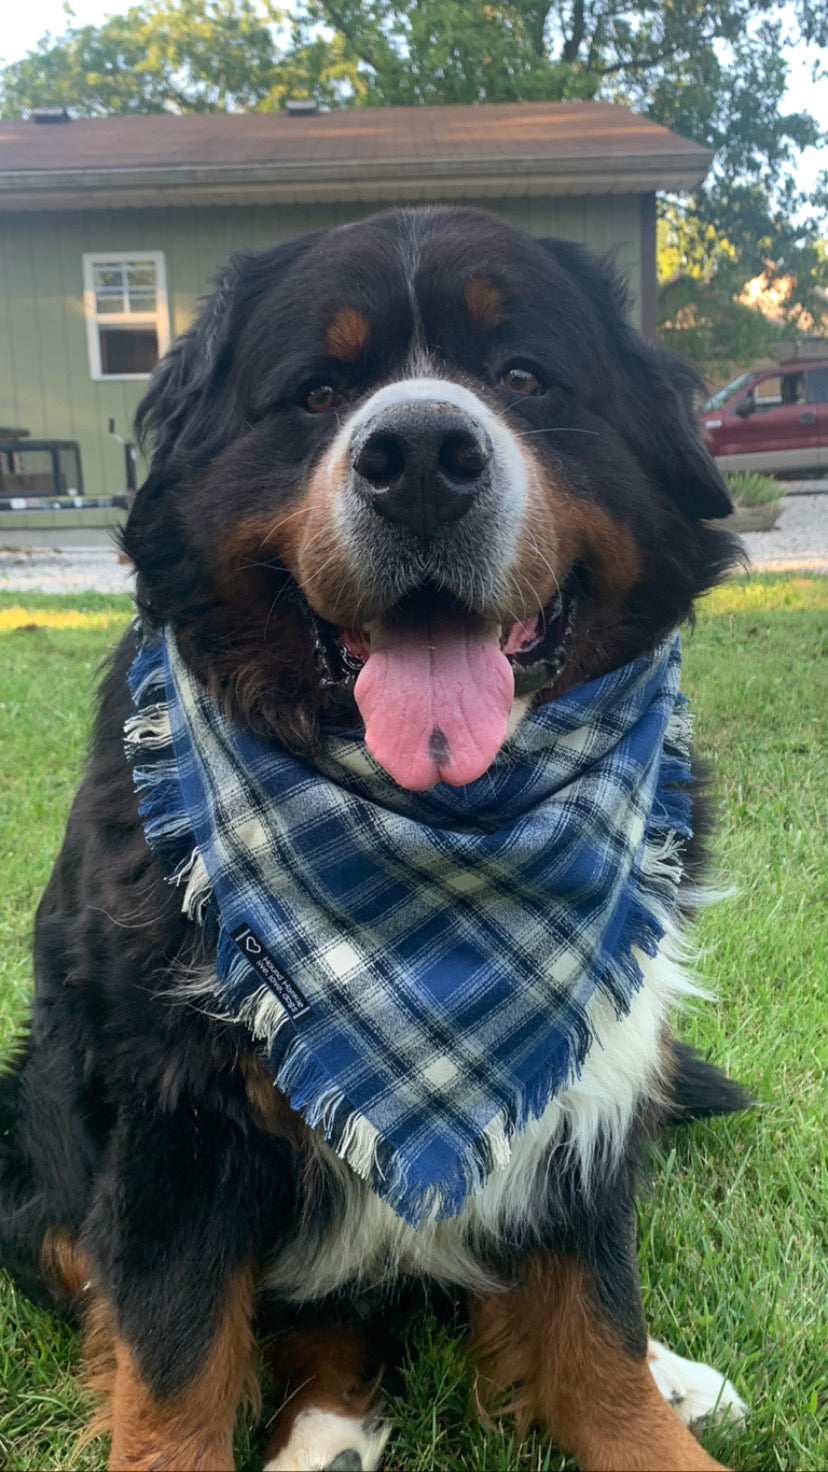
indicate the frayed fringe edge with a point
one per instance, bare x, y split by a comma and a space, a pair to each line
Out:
150, 752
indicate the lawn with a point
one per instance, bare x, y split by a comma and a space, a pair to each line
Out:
733, 1232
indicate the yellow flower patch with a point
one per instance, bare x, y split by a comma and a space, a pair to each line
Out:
18, 617
766, 593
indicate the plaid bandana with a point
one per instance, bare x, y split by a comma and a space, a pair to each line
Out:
419, 966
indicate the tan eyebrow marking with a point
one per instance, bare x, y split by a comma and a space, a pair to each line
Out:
484, 301
348, 334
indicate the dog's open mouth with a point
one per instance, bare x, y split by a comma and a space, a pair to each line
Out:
434, 683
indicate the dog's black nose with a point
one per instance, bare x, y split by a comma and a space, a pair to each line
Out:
421, 463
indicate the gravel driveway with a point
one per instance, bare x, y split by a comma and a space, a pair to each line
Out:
78, 571
799, 541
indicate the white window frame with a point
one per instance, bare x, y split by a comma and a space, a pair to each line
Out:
159, 319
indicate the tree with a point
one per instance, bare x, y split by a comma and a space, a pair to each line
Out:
713, 70
160, 56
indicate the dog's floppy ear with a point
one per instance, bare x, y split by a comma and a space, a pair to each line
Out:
173, 415
662, 431
653, 406
190, 409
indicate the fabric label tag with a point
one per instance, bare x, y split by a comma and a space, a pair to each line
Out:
271, 973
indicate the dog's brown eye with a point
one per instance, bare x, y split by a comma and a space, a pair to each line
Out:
322, 398
522, 381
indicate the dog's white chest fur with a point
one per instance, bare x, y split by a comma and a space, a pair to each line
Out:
370, 1244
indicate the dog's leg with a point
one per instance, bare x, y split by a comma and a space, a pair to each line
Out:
585, 1378
191, 1430
174, 1236
328, 1417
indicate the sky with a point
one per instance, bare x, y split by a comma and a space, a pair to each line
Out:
23, 26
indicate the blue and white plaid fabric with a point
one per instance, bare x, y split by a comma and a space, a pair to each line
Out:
419, 965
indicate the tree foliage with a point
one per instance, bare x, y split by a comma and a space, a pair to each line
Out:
159, 56
715, 71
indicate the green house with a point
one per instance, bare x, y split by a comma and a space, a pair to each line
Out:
110, 230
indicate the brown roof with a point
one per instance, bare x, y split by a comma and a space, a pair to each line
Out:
517, 148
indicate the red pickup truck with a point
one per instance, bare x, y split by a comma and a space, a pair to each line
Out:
773, 419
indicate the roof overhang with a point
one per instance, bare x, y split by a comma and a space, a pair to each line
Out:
400, 180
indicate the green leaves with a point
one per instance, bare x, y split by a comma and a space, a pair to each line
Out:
160, 56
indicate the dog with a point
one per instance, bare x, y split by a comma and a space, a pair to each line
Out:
415, 482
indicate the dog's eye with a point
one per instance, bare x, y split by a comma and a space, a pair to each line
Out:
320, 398
521, 381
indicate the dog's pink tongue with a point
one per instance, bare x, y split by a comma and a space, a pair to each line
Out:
435, 695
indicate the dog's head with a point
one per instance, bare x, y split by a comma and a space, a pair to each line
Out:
422, 462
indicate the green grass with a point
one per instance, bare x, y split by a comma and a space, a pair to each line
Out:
733, 1230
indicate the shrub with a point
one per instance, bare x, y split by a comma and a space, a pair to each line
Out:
749, 488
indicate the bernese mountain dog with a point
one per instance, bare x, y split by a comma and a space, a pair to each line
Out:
414, 480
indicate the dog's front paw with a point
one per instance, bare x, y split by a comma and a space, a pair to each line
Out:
324, 1441
699, 1394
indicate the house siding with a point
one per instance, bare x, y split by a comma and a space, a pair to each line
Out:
45, 381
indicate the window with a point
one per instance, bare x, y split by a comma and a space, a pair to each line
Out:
127, 320
768, 392
772, 392
793, 388
818, 385
719, 399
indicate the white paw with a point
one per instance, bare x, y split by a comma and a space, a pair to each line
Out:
695, 1391
322, 1439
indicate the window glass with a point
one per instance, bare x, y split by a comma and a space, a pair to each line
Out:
140, 285
720, 398
124, 286
767, 392
125, 302
778, 389
128, 350
817, 385
793, 388
109, 289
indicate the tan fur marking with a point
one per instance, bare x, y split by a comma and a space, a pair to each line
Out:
193, 1430
609, 549
322, 568
322, 1368
304, 539
98, 1367
62, 1262
348, 334
547, 1340
484, 302
566, 530
562, 531
261, 538
270, 1108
